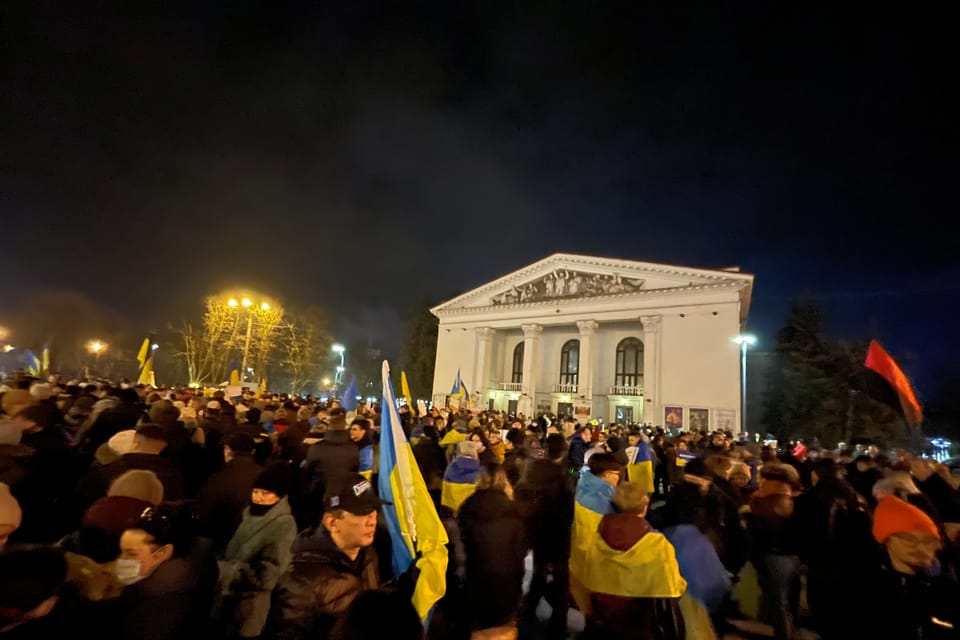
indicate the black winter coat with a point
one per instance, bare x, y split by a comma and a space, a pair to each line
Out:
98, 481
545, 496
225, 496
430, 458
172, 603
494, 540
321, 584
336, 455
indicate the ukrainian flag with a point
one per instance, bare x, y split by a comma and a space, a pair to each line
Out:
459, 482
593, 501
145, 358
459, 390
640, 465
648, 569
33, 362
45, 360
415, 528
234, 373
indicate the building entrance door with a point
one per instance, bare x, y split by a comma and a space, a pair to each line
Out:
624, 415
512, 407
564, 409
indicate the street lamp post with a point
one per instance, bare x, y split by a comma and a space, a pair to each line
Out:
744, 340
96, 347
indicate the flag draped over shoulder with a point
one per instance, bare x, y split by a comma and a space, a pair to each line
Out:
593, 501
405, 390
881, 363
412, 520
640, 465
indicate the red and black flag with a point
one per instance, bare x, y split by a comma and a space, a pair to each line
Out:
893, 385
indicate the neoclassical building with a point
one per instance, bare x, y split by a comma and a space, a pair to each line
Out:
620, 340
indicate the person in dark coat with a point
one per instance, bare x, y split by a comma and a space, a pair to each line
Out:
170, 578
149, 442
495, 544
332, 564
32, 585
123, 415
335, 456
545, 497
221, 502
832, 528
579, 444
430, 456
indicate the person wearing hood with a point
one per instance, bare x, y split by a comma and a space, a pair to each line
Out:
332, 564
257, 555
334, 456
632, 575
460, 476
593, 500
360, 436
494, 541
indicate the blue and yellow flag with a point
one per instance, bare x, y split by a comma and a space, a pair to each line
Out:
234, 374
459, 390
33, 362
145, 358
640, 465
459, 482
648, 569
415, 528
593, 501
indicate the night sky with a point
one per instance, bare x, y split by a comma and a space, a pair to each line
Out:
361, 155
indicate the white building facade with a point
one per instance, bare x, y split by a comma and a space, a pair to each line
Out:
625, 341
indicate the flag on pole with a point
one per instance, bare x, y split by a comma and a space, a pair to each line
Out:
261, 389
405, 389
416, 531
234, 374
33, 362
459, 390
145, 358
898, 392
349, 399
45, 360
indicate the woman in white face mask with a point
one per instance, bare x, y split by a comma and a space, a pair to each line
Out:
170, 577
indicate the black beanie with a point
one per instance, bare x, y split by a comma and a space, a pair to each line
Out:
276, 478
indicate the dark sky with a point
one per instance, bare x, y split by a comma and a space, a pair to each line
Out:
362, 154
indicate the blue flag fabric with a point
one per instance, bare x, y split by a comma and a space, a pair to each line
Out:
349, 400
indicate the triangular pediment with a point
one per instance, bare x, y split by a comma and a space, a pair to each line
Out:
570, 277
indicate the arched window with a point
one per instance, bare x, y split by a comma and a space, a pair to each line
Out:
517, 375
569, 362
629, 363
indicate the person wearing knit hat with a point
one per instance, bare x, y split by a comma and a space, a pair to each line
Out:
138, 483
10, 514
910, 536
257, 555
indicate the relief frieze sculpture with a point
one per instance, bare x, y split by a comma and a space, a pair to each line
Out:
564, 283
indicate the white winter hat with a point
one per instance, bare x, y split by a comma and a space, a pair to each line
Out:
122, 443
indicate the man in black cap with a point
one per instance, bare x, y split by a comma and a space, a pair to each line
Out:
332, 563
227, 492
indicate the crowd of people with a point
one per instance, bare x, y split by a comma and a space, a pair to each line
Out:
133, 512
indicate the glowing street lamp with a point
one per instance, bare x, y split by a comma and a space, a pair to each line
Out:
246, 302
325, 382
744, 340
232, 302
7, 348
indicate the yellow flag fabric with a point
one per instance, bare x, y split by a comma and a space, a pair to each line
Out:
585, 524
405, 390
642, 474
234, 377
452, 437
144, 352
45, 360
261, 389
454, 494
146, 373
648, 569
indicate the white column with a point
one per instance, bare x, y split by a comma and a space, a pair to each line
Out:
531, 358
588, 330
481, 373
652, 409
